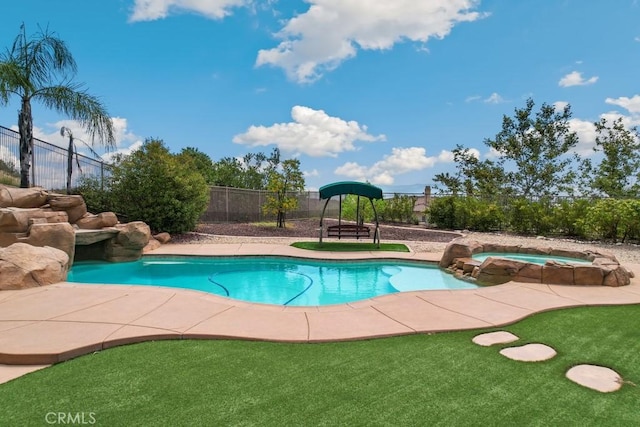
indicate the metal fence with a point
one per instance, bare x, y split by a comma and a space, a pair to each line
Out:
48, 163
228, 204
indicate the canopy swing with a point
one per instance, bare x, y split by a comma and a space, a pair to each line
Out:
357, 230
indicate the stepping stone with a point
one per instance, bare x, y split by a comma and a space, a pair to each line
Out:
595, 377
529, 353
491, 338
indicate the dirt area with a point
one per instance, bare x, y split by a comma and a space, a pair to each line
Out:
309, 228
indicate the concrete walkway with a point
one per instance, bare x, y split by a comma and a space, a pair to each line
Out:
46, 325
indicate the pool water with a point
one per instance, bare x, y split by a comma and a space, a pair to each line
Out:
534, 259
272, 280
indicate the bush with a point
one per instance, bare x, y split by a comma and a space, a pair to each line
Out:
613, 219
442, 212
97, 197
154, 186
469, 213
568, 217
531, 217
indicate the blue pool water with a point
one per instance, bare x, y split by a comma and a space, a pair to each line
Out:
272, 280
535, 259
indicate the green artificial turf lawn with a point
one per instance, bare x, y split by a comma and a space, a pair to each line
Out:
440, 379
350, 246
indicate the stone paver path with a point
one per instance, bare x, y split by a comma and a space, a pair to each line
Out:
529, 352
492, 338
595, 377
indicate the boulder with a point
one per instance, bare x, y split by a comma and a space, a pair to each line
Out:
17, 220
618, 277
456, 249
73, 205
557, 273
588, 275
33, 197
60, 236
495, 270
96, 222
128, 244
26, 266
152, 245
162, 237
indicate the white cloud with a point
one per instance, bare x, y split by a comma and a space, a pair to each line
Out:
332, 31
631, 104
125, 139
494, 98
125, 151
575, 78
400, 161
312, 132
473, 98
151, 10
311, 173
559, 106
586, 132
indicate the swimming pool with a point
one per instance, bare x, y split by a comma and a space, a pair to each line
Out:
532, 258
272, 280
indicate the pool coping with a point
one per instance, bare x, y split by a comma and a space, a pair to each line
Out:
51, 324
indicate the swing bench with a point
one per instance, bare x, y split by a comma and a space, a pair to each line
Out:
350, 230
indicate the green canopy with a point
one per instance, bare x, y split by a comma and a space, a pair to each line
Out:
350, 187
358, 230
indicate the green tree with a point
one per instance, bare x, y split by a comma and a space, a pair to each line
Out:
200, 161
157, 187
228, 172
41, 68
473, 176
537, 149
252, 171
283, 183
618, 172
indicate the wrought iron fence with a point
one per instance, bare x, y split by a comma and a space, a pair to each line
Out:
48, 163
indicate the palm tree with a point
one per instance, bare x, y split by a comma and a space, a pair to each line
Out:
41, 69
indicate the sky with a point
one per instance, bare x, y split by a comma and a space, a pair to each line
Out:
360, 90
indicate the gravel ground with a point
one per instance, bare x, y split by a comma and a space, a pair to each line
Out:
418, 238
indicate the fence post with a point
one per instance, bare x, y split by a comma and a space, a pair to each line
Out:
226, 202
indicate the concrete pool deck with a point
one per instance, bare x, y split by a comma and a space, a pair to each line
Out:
46, 325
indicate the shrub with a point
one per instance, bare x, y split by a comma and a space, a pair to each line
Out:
482, 215
442, 212
613, 219
156, 187
568, 217
97, 196
531, 217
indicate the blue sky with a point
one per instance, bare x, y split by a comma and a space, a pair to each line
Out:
356, 89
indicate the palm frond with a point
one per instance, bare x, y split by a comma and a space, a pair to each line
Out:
74, 102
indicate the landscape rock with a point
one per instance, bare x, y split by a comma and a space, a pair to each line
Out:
128, 243
457, 249
162, 237
73, 205
96, 222
604, 269
27, 266
152, 245
33, 197
17, 220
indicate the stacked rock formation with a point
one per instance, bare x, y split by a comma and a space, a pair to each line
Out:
604, 270
32, 219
